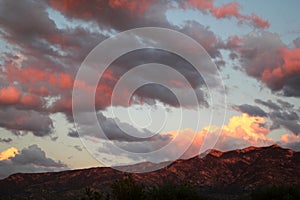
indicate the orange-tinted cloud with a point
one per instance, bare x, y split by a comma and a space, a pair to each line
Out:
31, 100
240, 132
73, 5
32, 75
290, 141
134, 6
35, 84
84, 10
227, 10
265, 57
289, 138
257, 21
283, 73
8, 153
289, 65
38, 83
249, 128
9, 95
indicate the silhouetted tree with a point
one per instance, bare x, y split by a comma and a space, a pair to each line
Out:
91, 194
276, 193
128, 189
169, 191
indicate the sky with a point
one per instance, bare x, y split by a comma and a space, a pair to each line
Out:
246, 92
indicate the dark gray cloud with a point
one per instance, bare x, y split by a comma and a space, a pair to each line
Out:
291, 87
154, 92
6, 140
288, 120
30, 160
285, 104
268, 104
29, 121
38, 37
78, 148
54, 138
285, 115
31, 34
211, 43
297, 42
251, 110
113, 129
73, 133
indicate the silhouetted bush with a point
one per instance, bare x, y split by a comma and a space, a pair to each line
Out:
276, 193
91, 194
169, 191
128, 189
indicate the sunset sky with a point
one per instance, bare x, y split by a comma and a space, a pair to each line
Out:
254, 44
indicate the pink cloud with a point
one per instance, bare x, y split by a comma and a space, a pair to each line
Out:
227, 10
9, 95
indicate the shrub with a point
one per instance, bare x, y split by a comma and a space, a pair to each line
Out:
91, 194
276, 193
128, 189
169, 191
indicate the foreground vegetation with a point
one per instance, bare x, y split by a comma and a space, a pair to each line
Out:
128, 189
276, 193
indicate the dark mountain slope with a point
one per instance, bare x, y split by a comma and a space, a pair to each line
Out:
235, 171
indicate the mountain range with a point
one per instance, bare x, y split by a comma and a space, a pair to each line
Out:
220, 174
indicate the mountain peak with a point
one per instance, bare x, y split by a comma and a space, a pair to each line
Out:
253, 148
275, 146
215, 152
250, 148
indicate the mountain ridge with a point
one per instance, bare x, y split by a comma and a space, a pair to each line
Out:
241, 170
